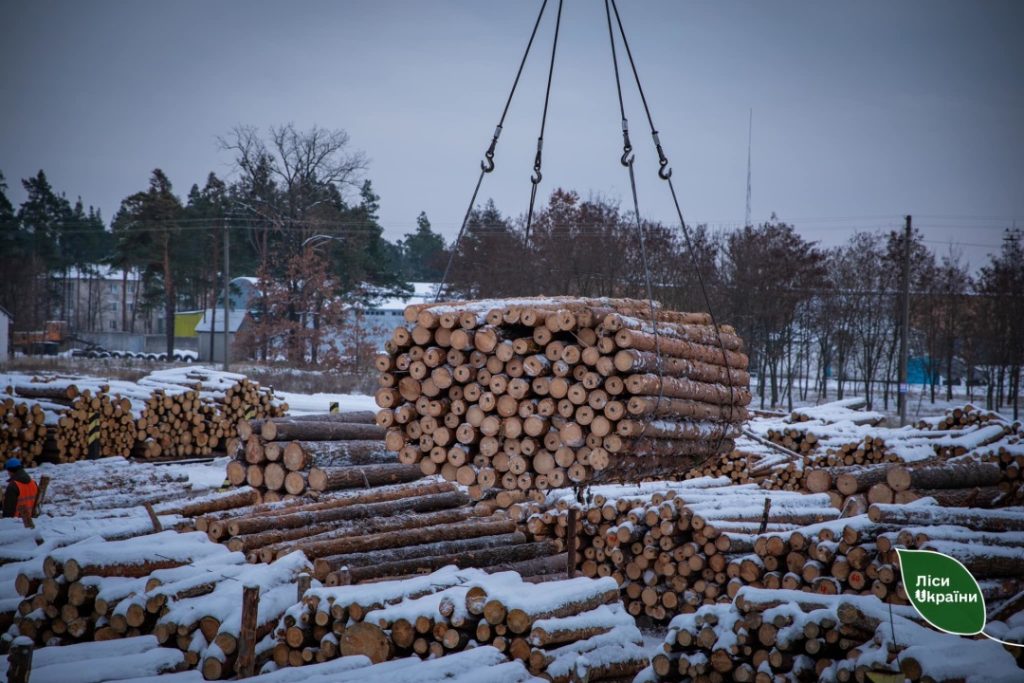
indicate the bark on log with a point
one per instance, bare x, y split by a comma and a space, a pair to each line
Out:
631, 360
472, 558
944, 476
279, 430
979, 520
642, 341
301, 455
448, 531
330, 479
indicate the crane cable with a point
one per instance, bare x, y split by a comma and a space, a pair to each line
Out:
536, 176
665, 173
487, 165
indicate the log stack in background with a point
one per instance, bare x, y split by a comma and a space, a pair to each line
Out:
167, 414
857, 555
532, 394
669, 545
563, 630
284, 457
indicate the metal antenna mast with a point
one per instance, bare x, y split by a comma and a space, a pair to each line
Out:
750, 137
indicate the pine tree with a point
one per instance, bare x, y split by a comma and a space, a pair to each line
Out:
423, 252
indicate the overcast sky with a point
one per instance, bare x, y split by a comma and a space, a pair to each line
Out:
863, 111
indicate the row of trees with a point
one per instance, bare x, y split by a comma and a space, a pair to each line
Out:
288, 187
303, 217
814, 319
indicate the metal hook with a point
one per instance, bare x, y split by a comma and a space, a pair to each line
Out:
487, 165
535, 178
664, 172
627, 156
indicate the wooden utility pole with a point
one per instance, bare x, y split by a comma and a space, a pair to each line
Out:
227, 292
245, 664
19, 661
905, 315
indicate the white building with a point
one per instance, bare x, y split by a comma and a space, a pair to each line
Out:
105, 299
384, 314
5, 334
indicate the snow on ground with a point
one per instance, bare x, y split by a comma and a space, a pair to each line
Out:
305, 404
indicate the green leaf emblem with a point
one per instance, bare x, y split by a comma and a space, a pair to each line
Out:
942, 591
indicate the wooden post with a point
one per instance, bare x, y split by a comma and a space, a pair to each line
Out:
44, 482
764, 515
157, 526
570, 545
245, 665
305, 580
19, 661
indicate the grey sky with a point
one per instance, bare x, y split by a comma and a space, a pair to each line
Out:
863, 111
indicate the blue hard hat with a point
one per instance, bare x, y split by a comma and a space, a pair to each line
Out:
13, 464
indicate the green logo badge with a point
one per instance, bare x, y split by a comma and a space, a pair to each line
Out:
942, 591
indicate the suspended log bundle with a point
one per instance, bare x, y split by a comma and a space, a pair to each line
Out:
767, 635
563, 630
286, 457
668, 546
532, 394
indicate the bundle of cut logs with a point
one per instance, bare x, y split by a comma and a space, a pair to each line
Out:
284, 457
540, 393
857, 554
563, 630
114, 420
668, 545
768, 635
23, 431
855, 487
384, 531
196, 412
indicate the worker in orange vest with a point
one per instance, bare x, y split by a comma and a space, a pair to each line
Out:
20, 496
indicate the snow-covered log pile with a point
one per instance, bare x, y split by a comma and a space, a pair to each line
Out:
573, 629
170, 413
540, 393
751, 461
385, 531
137, 660
788, 635
179, 587
317, 453
115, 660
193, 411
857, 554
669, 545
23, 428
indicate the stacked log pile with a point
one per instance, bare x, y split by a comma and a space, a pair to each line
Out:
767, 635
971, 484
285, 457
167, 414
961, 417
384, 531
669, 546
180, 588
23, 429
532, 394
857, 555
563, 630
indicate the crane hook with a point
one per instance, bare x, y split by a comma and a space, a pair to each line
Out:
487, 165
664, 172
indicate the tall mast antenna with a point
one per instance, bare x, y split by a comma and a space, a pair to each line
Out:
750, 137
